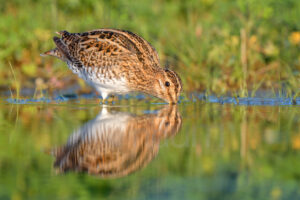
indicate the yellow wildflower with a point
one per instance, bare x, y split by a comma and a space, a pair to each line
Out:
295, 38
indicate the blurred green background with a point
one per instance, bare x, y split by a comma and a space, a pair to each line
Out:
216, 46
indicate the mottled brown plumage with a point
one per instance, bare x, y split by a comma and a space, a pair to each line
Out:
116, 61
117, 144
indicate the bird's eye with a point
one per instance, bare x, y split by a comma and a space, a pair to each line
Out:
167, 83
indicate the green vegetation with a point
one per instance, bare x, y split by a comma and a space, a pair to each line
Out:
221, 152
221, 47
216, 46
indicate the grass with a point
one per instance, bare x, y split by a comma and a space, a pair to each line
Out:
235, 47
15, 83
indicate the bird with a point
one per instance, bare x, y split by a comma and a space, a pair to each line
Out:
115, 143
117, 61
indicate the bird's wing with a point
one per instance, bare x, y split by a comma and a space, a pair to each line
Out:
108, 47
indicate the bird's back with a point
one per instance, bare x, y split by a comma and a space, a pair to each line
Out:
107, 57
105, 47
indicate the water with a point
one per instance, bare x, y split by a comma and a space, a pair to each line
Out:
74, 148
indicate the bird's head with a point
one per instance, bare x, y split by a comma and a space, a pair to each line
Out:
168, 86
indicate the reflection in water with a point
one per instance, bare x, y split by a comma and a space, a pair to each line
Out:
117, 144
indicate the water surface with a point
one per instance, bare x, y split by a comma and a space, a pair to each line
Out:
136, 150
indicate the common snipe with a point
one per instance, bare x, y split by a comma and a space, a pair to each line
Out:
116, 61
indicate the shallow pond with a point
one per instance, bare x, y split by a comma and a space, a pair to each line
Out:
78, 149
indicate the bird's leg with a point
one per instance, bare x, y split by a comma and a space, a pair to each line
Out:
104, 97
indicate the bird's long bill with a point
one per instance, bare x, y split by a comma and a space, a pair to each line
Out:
51, 52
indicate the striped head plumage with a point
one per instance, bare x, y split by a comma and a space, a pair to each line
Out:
116, 61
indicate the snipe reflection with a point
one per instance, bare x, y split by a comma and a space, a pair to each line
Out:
115, 144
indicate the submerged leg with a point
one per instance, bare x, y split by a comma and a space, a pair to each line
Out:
104, 97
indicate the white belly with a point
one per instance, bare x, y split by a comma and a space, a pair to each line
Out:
101, 82
112, 86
